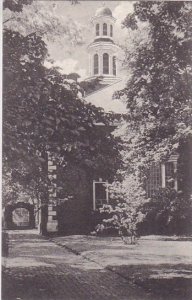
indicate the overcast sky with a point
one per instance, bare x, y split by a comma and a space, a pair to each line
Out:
75, 59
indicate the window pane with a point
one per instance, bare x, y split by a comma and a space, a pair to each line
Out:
104, 29
97, 29
153, 181
100, 194
96, 64
169, 174
105, 63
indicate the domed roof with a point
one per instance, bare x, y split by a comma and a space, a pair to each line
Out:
103, 11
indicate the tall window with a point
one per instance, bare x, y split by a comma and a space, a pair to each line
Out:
114, 65
96, 64
160, 175
97, 29
169, 174
100, 193
105, 63
111, 30
154, 180
104, 29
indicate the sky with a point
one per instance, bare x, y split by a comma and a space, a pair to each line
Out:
75, 58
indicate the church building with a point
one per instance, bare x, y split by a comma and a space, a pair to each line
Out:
103, 61
75, 216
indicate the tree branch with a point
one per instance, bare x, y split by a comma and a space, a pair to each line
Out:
8, 20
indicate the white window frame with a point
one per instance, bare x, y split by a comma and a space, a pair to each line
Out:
94, 191
173, 159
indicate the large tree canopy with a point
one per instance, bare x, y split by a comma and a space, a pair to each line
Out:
44, 112
158, 122
158, 94
30, 16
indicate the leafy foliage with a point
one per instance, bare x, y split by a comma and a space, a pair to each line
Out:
158, 120
73, 76
41, 18
168, 212
123, 213
43, 112
158, 94
90, 86
16, 5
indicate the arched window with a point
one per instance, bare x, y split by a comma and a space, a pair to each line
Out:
111, 30
97, 29
114, 66
105, 63
96, 64
104, 29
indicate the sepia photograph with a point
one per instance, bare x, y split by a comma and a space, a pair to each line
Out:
96, 150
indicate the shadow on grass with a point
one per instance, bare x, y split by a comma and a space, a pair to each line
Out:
165, 281
35, 272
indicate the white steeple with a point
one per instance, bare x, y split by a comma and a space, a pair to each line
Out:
103, 51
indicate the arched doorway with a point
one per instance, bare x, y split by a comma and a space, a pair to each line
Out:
19, 216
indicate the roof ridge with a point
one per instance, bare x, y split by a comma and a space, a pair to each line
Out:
103, 88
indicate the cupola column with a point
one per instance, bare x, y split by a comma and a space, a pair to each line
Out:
103, 49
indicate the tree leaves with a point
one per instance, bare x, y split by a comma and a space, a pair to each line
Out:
41, 113
16, 5
159, 92
41, 19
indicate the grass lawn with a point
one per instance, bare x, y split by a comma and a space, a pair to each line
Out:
161, 265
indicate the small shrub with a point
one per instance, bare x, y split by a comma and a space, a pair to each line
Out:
123, 214
167, 212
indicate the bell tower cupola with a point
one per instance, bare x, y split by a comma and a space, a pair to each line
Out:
103, 51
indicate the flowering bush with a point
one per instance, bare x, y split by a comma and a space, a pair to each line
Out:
123, 212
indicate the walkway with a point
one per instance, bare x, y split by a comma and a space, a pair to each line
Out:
38, 269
